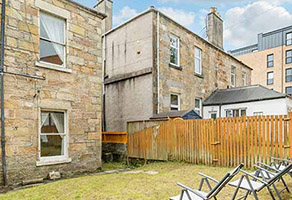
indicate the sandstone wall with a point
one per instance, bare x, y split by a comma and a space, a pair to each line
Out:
216, 68
76, 90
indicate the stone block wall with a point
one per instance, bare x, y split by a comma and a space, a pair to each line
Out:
77, 91
216, 67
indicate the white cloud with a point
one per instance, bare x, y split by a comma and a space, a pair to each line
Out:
124, 14
274, 2
242, 24
184, 18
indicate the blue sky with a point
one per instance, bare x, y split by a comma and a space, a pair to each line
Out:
243, 19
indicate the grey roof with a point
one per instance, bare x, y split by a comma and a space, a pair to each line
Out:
172, 114
242, 95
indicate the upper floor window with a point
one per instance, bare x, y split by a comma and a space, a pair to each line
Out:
174, 50
289, 38
174, 102
288, 90
233, 76
198, 106
243, 79
288, 56
198, 61
270, 78
52, 39
270, 60
288, 75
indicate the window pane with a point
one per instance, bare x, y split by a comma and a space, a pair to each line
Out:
198, 66
213, 115
198, 103
172, 108
270, 63
52, 122
173, 56
289, 60
243, 112
52, 145
173, 41
51, 52
289, 53
270, 57
288, 90
174, 99
52, 28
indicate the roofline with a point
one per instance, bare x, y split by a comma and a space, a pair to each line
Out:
243, 48
152, 9
276, 30
98, 14
265, 34
128, 21
99, 2
246, 101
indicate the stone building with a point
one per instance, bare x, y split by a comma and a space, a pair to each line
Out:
52, 88
271, 59
153, 64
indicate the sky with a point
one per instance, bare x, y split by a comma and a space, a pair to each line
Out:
243, 19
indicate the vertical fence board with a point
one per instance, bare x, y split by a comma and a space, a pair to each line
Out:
223, 142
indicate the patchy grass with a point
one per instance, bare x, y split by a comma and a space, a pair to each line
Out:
113, 166
132, 186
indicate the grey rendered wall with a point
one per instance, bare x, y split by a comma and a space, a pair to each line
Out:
128, 71
128, 100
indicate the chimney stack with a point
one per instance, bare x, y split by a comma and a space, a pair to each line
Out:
215, 28
106, 7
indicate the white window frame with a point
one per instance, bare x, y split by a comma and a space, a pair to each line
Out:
49, 160
175, 106
200, 108
199, 58
243, 79
258, 113
231, 110
233, 76
177, 48
65, 17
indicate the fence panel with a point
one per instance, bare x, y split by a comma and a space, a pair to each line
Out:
223, 142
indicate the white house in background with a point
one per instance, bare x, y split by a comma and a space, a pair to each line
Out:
246, 101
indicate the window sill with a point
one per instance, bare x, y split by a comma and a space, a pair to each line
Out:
175, 67
53, 162
199, 75
53, 67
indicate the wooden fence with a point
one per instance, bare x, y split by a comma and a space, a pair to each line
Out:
115, 137
223, 142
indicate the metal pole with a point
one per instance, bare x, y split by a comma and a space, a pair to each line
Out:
2, 94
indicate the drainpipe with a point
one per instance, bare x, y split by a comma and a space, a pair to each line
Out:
2, 95
157, 60
220, 111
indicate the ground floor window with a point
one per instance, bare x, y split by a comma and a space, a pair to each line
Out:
53, 134
198, 106
174, 102
258, 114
236, 112
213, 115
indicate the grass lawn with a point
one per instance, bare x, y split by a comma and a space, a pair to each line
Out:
132, 186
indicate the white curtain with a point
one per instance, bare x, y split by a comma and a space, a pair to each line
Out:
58, 119
54, 28
45, 120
